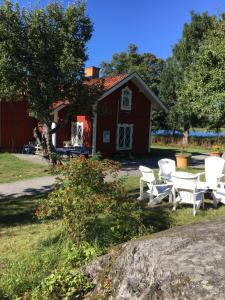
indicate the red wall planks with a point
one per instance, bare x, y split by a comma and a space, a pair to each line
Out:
110, 114
16, 125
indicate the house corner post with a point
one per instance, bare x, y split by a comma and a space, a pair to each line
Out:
94, 129
150, 130
54, 138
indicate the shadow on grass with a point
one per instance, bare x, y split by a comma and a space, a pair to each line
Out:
122, 226
19, 211
151, 159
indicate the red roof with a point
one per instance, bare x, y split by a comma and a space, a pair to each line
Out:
58, 103
107, 82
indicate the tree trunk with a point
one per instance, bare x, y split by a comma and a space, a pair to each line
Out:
186, 134
49, 145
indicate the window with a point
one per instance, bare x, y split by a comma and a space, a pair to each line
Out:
77, 134
126, 98
124, 136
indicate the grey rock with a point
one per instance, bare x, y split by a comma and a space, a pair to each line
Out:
181, 263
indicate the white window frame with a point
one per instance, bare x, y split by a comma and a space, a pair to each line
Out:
74, 139
131, 137
125, 107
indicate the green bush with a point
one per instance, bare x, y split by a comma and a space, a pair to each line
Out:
94, 212
87, 203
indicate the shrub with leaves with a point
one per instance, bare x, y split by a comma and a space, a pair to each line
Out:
83, 198
68, 281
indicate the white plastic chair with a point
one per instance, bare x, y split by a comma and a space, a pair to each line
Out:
166, 168
147, 176
185, 185
156, 192
219, 194
214, 169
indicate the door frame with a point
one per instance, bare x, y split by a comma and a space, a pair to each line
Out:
74, 139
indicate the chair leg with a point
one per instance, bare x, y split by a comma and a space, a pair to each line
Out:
141, 197
194, 210
151, 197
170, 198
173, 193
214, 202
174, 205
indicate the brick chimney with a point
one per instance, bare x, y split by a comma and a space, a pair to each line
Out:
91, 72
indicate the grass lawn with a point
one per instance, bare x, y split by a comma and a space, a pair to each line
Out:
31, 250
13, 168
172, 150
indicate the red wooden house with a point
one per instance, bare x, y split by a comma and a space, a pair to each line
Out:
120, 120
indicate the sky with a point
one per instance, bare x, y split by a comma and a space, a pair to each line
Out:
153, 25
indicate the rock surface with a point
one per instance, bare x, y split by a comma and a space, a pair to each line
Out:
181, 263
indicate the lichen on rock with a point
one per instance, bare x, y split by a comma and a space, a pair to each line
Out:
181, 263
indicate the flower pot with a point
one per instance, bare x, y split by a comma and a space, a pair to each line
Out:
217, 154
182, 161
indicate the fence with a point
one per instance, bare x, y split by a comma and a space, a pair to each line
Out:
205, 142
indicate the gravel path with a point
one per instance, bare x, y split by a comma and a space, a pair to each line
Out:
27, 187
44, 184
33, 158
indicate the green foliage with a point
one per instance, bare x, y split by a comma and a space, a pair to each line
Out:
96, 156
86, 202
42, 55
181, 113
146, 64
67, 282
204, 81
193, 35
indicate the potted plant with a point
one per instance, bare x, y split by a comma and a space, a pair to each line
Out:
217, 150
182, 158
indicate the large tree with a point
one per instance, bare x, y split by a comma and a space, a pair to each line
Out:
146, 64
42, 55
183, 55
204, 80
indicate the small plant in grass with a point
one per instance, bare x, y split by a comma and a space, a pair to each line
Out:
217, 149
183, 152
68, 281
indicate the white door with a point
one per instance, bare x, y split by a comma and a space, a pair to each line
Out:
124, 136
77, 134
